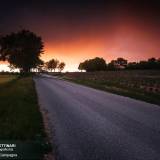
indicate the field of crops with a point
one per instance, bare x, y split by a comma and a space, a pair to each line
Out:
146, 82
6, 78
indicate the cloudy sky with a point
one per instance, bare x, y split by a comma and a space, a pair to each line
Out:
75, 30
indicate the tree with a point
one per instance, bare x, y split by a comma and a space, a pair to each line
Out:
52, 64
40, 66
158, 63
111, 65
22, 50
152, 60
142, 65
96, 64
61, 66
132, 65
80, 67
121, 61
152, 63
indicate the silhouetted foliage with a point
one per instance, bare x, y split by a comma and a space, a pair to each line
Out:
22, 50
132, 65
40, 66
119, 63
80, 67
52, 64
96, 64
111, 65
151, 63
99, 64
61, 66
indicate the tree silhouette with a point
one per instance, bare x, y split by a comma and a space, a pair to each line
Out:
151, 63
96, 64
52, 64
40, 66
61, 66
22, 50
80, 67
111, 65
121, 61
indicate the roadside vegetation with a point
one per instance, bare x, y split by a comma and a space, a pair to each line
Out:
19, 110
6, 78
139, 84
20, 117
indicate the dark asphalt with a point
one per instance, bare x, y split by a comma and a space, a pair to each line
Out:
94, 125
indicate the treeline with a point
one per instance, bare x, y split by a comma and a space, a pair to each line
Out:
99, 64
151, 63
53, 64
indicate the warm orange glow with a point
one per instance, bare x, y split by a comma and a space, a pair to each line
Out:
132, 44
125, 38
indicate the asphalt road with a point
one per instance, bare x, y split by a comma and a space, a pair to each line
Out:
90, 124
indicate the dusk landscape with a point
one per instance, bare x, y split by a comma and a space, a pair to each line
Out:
79, 80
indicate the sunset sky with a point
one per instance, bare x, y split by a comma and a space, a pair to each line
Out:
73, 31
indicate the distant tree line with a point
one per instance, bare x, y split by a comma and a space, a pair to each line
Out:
99, 64
151, 63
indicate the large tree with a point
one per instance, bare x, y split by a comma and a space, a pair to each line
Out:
22, 50
95, 64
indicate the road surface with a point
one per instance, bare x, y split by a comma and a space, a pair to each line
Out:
90, 124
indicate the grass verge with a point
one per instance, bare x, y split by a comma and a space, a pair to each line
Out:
20, 118
147, 97
6, 78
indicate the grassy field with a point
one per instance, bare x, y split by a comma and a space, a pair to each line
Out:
138, 84
6, 78
20, 118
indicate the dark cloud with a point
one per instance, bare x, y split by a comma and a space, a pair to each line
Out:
63, 17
